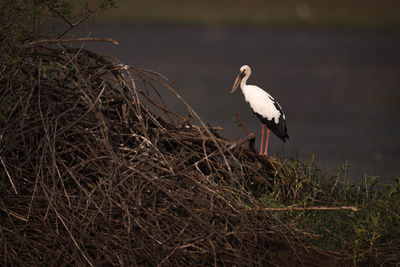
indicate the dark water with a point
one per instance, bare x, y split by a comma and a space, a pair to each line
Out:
340, 89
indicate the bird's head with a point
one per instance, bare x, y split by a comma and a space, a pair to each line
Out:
245, 71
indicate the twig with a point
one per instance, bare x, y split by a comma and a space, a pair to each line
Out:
191, 110
9, 212
54, 207
70, 40
81, 20
9, 176
353, 208
241, 124
232, 146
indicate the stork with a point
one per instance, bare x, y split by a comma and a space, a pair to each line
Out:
264, 106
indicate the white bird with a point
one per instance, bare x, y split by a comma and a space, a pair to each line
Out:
264, 106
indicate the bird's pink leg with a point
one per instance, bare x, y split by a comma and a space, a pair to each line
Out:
262, 138
266, 143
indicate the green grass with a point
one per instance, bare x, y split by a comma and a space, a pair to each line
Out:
369, 236
307, 13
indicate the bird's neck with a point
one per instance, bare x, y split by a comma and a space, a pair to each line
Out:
243, 82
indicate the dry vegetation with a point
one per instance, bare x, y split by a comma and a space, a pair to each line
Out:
93, 176
96, 170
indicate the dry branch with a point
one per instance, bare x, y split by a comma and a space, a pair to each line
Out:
70, 40
352, 208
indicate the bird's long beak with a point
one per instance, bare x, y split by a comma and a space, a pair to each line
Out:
237, 81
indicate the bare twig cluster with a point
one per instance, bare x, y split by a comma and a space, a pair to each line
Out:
97, 170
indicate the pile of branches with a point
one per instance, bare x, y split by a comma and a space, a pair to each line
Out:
96, 169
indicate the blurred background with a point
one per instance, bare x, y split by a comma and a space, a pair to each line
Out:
334, 66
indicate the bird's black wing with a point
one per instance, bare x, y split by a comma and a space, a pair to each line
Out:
279, 128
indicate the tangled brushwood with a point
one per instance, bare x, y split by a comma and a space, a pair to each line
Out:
97, 170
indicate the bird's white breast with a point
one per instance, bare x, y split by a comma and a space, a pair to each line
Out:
261, 103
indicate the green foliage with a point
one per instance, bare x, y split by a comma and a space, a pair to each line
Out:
371, 235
